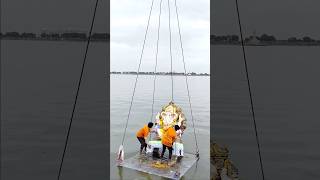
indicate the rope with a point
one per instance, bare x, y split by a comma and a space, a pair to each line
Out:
0, 98
155, 67
135, 84
250, 93
186, 78
78, 88
170, 54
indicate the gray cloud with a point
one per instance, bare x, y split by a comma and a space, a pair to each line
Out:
128, 21
34, 15
283, 18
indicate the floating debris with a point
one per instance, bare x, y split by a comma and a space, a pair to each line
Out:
222, 168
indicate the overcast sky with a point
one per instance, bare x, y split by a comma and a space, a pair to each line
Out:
128, 23
282, 18
52, 15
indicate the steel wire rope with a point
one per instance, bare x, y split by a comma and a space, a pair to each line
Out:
186, 79
249, 89
170, 52
78, 89
156, 63
137, 75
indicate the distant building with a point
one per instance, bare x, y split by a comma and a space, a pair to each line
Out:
253, 39
28, 35
12, 35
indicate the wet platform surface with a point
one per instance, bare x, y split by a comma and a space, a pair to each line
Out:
148, 164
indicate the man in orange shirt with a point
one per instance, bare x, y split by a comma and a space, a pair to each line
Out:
142, 135
168, 138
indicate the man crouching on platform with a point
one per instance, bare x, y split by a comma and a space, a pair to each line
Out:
142, 136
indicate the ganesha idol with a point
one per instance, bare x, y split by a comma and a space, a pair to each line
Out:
169, 116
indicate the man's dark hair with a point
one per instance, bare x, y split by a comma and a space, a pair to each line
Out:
176, 127
150, 124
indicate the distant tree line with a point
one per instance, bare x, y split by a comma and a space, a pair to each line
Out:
225, 38
161, 73
55, 36
16, 35
261, 38
266, 38
304, 39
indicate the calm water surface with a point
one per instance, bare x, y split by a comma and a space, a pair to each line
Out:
38, 88
121, 91
286, 97
38, 85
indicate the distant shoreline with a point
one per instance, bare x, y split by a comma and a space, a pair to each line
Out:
55, 36
105, 38
277, 43
263, 40
161, 73
46, 39
215, 40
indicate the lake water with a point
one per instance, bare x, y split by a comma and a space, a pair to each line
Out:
286, 97
38, 86
121, 91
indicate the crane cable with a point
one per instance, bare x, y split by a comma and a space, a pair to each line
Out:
185, 72
170, 52
0, 97
77, 91
186, 79
156, 63
250, 92
135, 84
